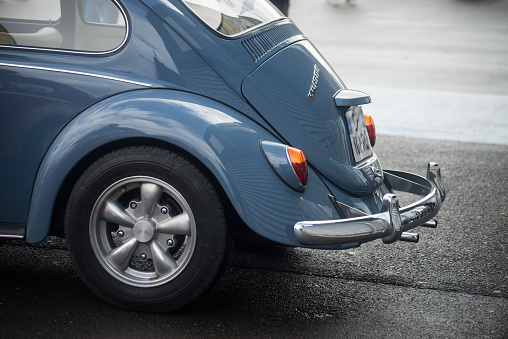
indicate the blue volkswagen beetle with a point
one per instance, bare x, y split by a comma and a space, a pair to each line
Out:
150, 133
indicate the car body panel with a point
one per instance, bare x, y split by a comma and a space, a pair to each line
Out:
37, 102
223, 140
315, 125
77, 80
178, 82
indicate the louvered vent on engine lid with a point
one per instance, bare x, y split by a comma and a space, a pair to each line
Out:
261, 43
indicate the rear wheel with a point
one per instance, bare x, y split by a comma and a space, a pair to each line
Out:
146, 229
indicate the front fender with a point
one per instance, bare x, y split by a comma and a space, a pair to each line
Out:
221, 138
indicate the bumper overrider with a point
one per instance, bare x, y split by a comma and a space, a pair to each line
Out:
391, 224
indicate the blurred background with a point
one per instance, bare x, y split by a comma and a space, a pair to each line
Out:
434, 69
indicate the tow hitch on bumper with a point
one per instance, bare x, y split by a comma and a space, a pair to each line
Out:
391, 224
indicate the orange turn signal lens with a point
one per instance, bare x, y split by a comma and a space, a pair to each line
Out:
371, 128
299, 163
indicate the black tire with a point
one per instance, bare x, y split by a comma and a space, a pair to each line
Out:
146, 229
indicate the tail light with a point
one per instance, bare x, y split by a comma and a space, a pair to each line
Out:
371, 128
299, 163
288, 163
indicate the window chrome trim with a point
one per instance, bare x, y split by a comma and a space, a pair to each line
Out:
107, 77
74, 51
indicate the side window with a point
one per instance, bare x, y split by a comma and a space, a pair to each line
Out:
79, 25
101, 12
30, 23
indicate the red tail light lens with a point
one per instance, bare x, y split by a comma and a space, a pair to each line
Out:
288, 163
299, 163
371, 128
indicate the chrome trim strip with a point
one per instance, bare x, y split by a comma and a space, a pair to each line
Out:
12, 231
11, 236
389, 225
127, 30
76, 73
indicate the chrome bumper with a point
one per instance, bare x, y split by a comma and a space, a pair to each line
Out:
391, 224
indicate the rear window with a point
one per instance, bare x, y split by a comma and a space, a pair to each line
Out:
232, 17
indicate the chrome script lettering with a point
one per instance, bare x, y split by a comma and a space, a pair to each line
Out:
314, 83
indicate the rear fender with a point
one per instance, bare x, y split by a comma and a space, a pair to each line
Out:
221, 138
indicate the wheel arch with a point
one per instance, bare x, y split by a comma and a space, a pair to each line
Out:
153, 117
62, 197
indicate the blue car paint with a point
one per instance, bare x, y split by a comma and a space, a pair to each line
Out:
180, 53
36, 104
224, 140
139, 64
316, 125
270, 89
231, 59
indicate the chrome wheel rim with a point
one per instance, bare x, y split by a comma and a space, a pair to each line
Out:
142, 231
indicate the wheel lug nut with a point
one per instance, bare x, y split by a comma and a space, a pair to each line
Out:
133, 205
170, 242
120, 233
143, 257
164, 210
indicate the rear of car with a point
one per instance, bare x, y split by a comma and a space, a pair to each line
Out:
294, 90
146, 131
292, 87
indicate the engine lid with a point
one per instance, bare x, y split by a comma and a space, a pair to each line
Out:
295, 91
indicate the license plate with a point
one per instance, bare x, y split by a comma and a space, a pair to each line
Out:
360, 141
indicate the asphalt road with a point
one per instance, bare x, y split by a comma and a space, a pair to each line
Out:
454, 283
